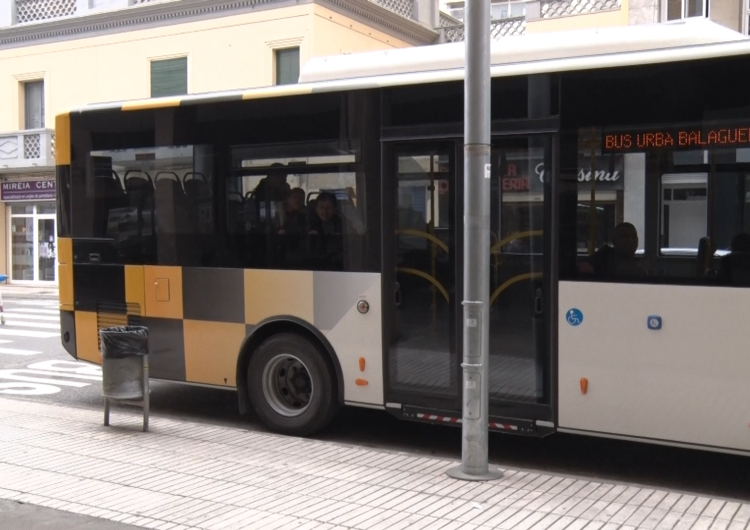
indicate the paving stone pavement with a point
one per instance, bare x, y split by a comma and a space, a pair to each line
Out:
20, 516
184, 475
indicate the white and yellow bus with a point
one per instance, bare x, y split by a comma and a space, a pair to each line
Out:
302, 244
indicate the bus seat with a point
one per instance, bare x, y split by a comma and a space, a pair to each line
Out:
138, 181
196, 187
171, 205
139, 188
165, 175
704, 261
736, 268
109, 196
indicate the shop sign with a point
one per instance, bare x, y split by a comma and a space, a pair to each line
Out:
36, 190
608, 177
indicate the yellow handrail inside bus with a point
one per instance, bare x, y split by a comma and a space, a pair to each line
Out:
514, 279
518, 235
421, 274
426, 235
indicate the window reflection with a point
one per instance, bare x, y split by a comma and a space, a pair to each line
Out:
296, 207
666, 203
154, 204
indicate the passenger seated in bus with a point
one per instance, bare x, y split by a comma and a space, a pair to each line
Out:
292, 218
618, 260
270, 193
735, 266
326, 234
293, 230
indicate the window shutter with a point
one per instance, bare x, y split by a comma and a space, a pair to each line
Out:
169, 77
287, 66
34, 95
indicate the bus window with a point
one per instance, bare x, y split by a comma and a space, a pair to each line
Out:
143, 208
684, 213
297, 206
664, 203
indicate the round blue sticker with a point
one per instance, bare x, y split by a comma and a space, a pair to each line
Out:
574, 317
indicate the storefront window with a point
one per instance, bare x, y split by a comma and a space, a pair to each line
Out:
22, 257
33, 242
47, 250
22, 209
46, 208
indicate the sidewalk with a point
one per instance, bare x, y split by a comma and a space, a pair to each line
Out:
17, 516
184, 475
11, 291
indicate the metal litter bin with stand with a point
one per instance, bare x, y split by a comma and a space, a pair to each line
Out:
125, 368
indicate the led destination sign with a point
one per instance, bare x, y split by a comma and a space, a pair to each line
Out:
676, 138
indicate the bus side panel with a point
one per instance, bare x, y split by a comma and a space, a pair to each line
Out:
68, 332
162, 297
328, 301
87, 337
354, 332
65, 294
682, 377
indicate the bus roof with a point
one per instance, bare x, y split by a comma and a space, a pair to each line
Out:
689, 39
528, 48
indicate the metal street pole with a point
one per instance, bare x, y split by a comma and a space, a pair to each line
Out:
474, 450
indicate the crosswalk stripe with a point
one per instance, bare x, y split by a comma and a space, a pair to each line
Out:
13, 351
27, 333
34, 311
45, 303
22, 316
41, 325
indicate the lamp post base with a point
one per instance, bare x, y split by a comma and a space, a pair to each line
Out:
459, 473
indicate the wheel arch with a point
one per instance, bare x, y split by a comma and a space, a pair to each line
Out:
274, 326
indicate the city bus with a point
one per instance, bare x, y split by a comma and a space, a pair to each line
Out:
302, 245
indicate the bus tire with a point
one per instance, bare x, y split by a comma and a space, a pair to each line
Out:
292, 385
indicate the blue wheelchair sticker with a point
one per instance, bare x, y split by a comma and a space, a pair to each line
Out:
574, 317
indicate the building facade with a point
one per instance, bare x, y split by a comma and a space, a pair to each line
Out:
61, 54
515, 17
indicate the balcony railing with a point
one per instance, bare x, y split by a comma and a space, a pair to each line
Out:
505, 27
14, 12
27, 151
402, 7
561, 8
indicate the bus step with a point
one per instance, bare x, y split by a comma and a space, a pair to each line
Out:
445, 417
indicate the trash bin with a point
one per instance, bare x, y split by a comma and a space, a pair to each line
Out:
123, 349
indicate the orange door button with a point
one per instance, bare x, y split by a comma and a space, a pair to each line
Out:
361, 364
161, 287
584, 385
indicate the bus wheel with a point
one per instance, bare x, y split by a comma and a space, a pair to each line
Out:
291, 385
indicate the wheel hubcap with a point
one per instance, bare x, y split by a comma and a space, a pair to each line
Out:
287, 385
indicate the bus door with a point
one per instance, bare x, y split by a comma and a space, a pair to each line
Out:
419, 274
520, 280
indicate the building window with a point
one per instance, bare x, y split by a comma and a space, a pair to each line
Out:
679, 9
508, 9
501, 9
287, 66
169, 77
34, 105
